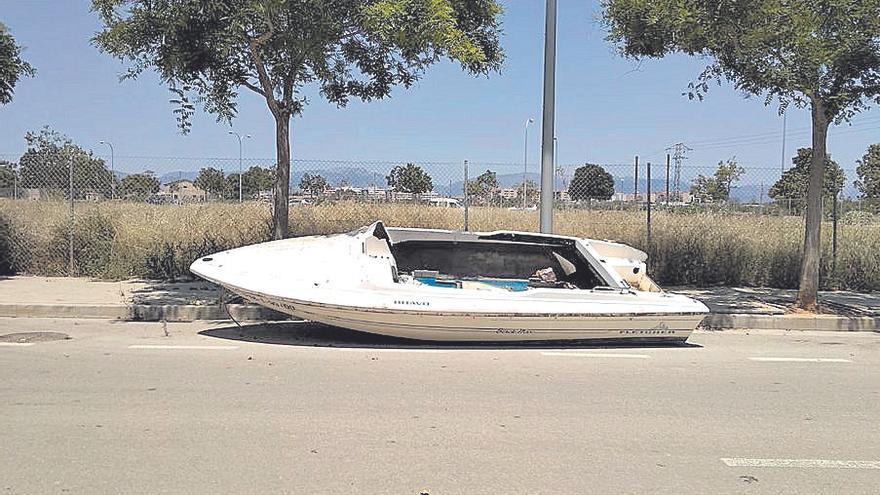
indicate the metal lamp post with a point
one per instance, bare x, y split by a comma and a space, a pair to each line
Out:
526, 157
548, 119
112, 169
246, 136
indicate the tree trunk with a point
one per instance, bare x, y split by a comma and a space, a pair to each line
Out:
282, 175
808, 297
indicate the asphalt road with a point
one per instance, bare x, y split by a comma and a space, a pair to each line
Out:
300, 408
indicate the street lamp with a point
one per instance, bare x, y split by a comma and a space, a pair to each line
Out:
112, 170
526, 157
246, 136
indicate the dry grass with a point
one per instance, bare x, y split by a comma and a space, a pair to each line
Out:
120, 240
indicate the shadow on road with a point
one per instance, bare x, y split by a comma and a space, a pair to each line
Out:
310, 334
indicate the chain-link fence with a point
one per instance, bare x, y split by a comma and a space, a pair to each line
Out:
67, 212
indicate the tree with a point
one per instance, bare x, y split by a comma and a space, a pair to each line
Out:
256, 180
591, 182
482, 187
12, 67
7, 175
46, 165
212, 181
208, 51
718, 187
821, 54
139, 186
313, 184
794, 183
868, 171
409, 178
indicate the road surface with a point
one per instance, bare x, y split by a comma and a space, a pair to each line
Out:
302, 408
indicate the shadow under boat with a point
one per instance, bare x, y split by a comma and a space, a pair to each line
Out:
312, 334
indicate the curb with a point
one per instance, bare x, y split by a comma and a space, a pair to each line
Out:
250, 312
141, 312
825, 323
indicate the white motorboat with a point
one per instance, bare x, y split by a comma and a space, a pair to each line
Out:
458, 286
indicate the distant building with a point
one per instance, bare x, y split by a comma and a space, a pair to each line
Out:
508, 193
182, 191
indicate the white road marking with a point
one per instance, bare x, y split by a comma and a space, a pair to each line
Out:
189, 347
798, 360
16, 344
800, 463
597, 355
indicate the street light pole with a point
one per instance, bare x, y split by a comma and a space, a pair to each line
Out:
526, 158
112, 169
548, 119
246, 136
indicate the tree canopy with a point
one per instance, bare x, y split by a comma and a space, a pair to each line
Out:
313, 184
139, 186
212, 181
868, 171
47, 161
590, 182
718, 187
12, 66
409, 178
7, 174
482, 187
208, 51
793, 183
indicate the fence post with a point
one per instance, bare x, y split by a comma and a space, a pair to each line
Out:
649, 205
636, 181
72, 219
466, 202
834, 239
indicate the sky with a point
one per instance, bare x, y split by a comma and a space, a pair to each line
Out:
608, 109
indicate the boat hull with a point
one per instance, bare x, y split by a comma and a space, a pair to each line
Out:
459, 326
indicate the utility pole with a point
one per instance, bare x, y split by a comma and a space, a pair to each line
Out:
548, 119
679, 150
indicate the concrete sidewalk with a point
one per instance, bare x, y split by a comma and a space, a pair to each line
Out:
192, 301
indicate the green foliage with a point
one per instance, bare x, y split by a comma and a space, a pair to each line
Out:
483, 186
313, 184
591, 182
409, 178
352, 48
256, 180
795, 51
12, 67
46, 165
717, 187
868, 171
212, 181
7, 174
139, 186
794, 181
